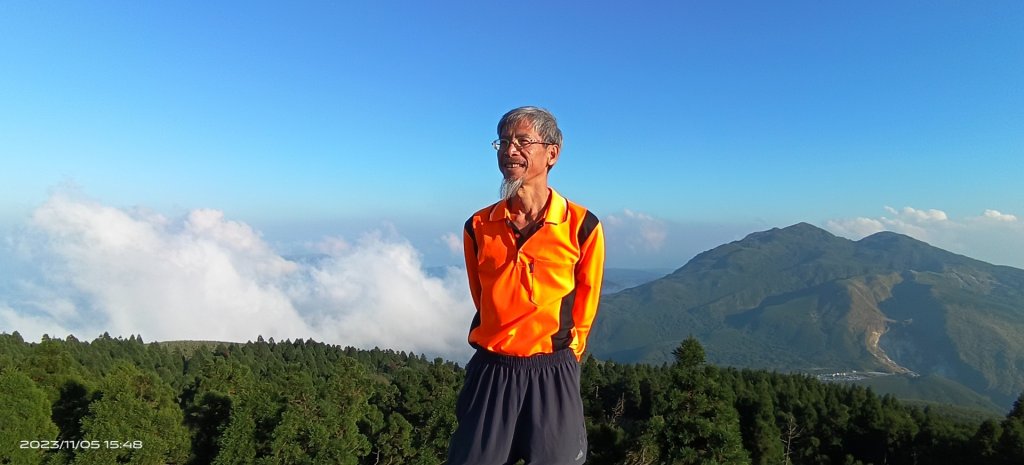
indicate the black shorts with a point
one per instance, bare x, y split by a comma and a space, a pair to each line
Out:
513, 408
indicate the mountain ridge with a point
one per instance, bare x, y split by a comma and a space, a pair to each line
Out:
800, 298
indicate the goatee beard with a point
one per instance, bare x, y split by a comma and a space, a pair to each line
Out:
510, 187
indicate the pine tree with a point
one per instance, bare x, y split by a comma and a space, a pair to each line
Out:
247, 434
700, 424
985, 441
24, 416
761, 436
138, 412
319, 424
1010, 447
50, 365
393, 444
208, 403
1017, 412
69, 410
689, 354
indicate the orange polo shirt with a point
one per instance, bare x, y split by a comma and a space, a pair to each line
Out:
538, 292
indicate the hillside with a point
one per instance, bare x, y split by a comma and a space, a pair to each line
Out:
800, 299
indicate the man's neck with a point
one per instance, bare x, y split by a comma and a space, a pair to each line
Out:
528, 204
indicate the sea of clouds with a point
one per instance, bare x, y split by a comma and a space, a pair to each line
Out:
79, 267
83, 268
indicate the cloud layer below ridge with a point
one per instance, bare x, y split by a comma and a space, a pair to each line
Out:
84, 268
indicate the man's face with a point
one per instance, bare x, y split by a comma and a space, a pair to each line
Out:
522, 159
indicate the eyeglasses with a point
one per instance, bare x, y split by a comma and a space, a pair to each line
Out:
502, 144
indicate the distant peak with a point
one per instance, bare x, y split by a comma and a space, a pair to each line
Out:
802, 226
798, 230
916, 253
889, 236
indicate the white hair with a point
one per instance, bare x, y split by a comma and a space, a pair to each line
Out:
509, 187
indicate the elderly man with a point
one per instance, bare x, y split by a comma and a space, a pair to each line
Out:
535, 262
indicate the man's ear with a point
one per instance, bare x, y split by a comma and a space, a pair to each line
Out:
553, 152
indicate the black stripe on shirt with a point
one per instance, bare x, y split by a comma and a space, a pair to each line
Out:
472, 235
590, 223
562, 338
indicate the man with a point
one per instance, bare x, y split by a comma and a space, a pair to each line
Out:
535, 263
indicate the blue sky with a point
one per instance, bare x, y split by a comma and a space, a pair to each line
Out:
324, 113
687, 124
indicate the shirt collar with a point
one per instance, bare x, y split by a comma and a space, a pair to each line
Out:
557, 211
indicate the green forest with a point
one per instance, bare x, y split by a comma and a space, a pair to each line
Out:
116, 400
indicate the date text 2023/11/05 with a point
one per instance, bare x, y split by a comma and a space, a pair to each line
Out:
82, 444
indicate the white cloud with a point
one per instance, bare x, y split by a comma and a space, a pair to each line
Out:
915, 215
992, 236
856, 227
99, 268
640, 240
331, 246
997, 216
454, 243
919, 224
30, 326
377, 294
635, 230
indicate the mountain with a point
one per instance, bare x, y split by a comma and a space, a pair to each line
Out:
799, 299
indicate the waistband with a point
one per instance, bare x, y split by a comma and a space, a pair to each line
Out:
557, 358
